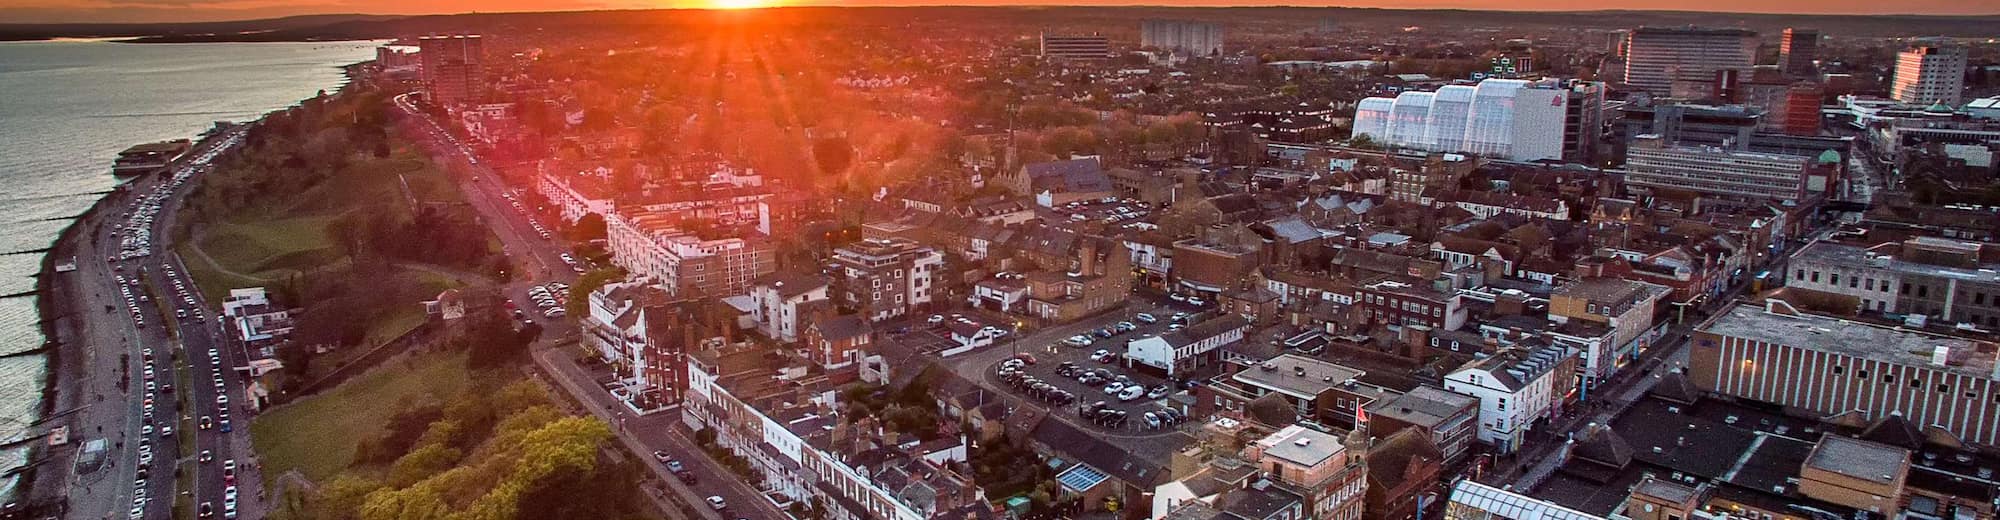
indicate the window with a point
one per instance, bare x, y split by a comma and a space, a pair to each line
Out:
1916, 382
1944, 389
1861, 374
1853, 283
1799, 275
1888, 378
1871, 284
1906, 289
1923, 291
1979, 298
1833, 278
1815, 276
1837, 369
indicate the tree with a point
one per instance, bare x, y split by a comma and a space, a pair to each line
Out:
579, 294
589, 227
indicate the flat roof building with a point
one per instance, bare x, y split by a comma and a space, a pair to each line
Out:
1832, 366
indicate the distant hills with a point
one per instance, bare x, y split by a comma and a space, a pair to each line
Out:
358, 26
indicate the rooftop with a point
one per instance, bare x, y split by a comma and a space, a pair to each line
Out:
1849, 255
1424, 406
1298, 376
1873, 462
1302, 446
1851, 338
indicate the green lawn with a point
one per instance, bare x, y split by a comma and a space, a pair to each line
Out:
317, 435
270, 245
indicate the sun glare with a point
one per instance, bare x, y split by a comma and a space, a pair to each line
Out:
738, 4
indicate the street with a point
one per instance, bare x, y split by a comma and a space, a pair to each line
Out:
168, 373
640, 434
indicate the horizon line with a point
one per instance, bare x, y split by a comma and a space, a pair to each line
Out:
978, 6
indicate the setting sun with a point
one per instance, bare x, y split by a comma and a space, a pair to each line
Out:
738, 4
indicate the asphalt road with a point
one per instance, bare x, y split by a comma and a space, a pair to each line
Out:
148, 322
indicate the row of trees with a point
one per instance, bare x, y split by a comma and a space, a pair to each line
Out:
498, 452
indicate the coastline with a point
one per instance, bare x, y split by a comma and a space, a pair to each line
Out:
62, 306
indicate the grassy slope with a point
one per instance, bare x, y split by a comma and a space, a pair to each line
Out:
317, 435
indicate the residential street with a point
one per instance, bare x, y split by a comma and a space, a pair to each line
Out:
642, 435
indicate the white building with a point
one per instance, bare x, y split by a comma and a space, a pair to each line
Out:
1656, 56
1928, 74
1651, 163
1182, 350
1505, 118
777, 300
574, 203
652, 245
256, 321
1514, 387
615, 324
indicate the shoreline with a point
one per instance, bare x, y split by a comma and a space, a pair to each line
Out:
63, 326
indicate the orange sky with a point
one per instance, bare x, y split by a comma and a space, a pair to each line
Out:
187, 10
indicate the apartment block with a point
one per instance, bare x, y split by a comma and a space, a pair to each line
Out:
885, 278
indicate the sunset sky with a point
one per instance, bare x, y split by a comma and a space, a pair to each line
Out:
200, 10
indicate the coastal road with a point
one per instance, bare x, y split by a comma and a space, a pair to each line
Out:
131, 358
487, 193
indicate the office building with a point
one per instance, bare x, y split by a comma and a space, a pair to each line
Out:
652, 244
1929, 74
1063, 48
885, 278
1798, 50
1651, 163
453, 68
1942, 279
1501, 118
1655, 56
1197, 38
1830, 367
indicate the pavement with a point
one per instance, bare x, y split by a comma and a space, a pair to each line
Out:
541, 263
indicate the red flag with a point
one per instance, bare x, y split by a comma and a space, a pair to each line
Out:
1360, 416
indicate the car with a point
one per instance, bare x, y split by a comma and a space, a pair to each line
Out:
206, 510
166, 431
221, 398
1198, 302
1126, 326
687, 477
1103, 333
1025, 357
1101, 356
661, 456
1114, 388
1158, 392
229, 493
229, 471
205, 456
225, 426
1178, 297
1152, 420
206, 423
717, 503
1131, 392
674, 466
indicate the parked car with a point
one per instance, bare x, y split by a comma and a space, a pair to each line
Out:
1131, 392
717, 503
